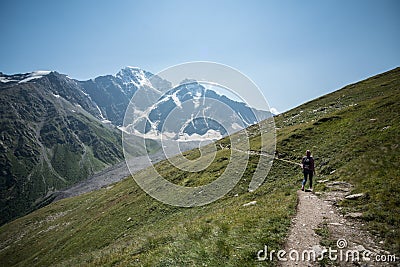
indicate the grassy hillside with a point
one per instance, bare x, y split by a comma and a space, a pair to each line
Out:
353, 132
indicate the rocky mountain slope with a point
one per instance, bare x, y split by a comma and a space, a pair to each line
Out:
353, 134
50, 138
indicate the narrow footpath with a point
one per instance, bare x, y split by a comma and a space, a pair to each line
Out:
316, 220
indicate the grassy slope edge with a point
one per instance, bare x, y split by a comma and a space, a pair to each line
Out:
354, 131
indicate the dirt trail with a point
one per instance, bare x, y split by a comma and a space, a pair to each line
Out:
309, 216
317, 213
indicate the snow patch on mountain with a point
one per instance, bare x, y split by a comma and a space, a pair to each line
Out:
35, 75
274, 111
5, 80
23, 78
209, 135
101, 113
236, 126
176, 99
196, 99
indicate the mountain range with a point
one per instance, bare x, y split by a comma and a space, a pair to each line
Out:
57, 131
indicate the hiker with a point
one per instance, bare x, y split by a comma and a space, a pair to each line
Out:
308, 169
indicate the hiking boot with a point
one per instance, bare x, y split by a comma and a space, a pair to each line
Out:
302, 188
311, 189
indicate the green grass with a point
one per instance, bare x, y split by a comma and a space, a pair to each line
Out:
94, 229
123, 226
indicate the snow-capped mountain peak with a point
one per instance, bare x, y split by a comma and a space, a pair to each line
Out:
191, 111
134, 76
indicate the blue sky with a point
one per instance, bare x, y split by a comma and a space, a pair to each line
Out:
293, 50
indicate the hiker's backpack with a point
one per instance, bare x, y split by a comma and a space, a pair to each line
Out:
307, 161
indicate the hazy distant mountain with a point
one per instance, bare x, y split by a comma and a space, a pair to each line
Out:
190, 111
